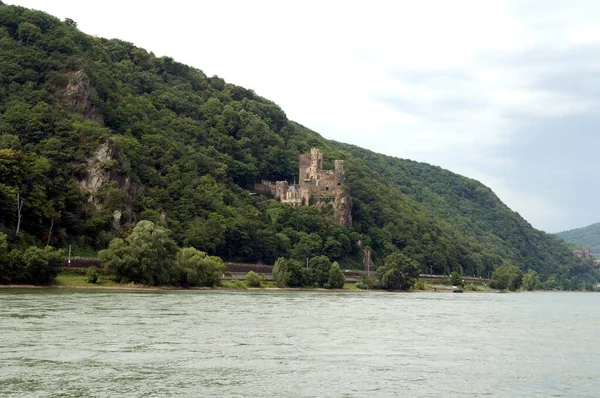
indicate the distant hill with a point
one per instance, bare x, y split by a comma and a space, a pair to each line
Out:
97, 134
585, 237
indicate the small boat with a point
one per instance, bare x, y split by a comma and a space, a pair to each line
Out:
457, 290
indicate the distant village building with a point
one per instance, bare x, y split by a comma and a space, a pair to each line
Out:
316, 187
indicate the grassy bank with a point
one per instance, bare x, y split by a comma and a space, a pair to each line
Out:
73, 277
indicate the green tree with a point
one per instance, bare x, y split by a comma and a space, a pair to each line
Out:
288, 272
318, 270
336, 278
40, 266
146, 256
455, 279
398, 272
507, 276
195, 268
531, 281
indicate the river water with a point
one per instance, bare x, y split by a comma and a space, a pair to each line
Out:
91, 343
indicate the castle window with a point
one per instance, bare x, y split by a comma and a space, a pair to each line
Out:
339, 183
327, 188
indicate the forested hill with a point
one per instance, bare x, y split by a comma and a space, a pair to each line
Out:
585, 237
98, 134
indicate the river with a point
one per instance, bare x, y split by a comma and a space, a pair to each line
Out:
100, 343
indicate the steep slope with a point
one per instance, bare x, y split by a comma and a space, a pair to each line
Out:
585, 237
98, 134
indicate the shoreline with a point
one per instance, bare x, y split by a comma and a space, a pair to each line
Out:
271, 289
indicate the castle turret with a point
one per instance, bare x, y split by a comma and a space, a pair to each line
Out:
340, 177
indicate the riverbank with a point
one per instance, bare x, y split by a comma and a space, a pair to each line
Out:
78, 280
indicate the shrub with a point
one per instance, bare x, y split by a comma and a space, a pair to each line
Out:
252, 279
92, 275
419, 285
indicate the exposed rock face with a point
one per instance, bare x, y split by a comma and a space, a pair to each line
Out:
103, 168
117, 219
343, 209
367, 258
77, 93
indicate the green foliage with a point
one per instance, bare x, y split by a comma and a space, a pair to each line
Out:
187, 149
92, 274
252, 279
33, 266
288, 272
455, 279
146, 256
194, 268
584, 237
419, 285
336, 278
398, 272
366, 282
531, 281
318, 271
507, 276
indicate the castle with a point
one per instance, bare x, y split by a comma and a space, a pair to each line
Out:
316, 187
584, 254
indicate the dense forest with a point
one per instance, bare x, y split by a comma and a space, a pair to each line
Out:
584, 237
97, 135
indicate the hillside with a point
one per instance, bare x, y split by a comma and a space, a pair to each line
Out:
98, 134
585, 237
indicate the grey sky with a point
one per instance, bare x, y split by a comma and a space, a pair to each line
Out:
505, 92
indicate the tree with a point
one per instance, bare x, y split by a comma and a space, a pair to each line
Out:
288, 272
455, 279
318, 270
398, 272
507, 276
336, 277
146, 256
40, 266
531, 281
195, 268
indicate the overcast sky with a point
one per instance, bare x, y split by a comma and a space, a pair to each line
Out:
505, 92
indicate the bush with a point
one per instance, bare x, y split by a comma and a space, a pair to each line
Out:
365, 282
252, 279
419, 285
92, 275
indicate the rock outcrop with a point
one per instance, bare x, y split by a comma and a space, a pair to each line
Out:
77, 93
105, 180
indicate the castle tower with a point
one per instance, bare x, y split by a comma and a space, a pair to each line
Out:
340, 177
